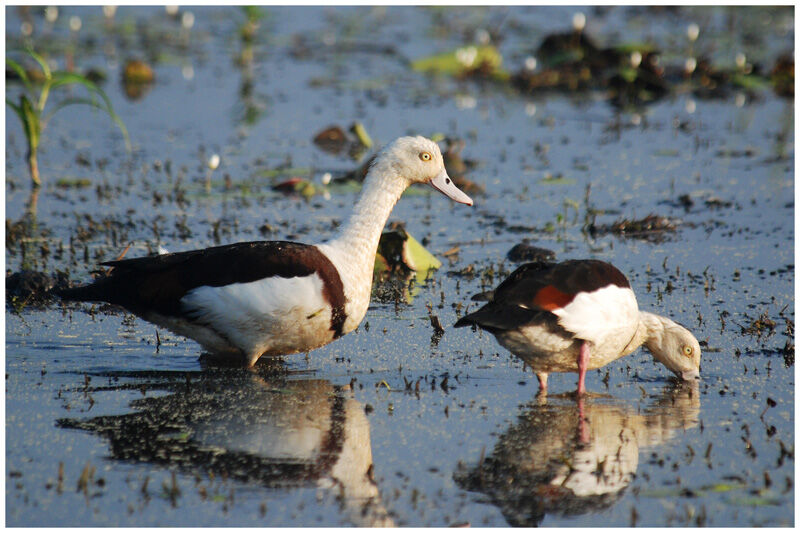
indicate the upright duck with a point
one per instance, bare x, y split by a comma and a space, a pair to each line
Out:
249, 299
576, 316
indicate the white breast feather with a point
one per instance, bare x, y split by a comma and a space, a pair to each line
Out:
356, 276
593, 315
251, 314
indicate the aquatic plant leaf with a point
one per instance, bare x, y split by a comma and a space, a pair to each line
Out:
31, 123
724, 487
628, 74
417, 257
76, 183
361, 133
23, 76
463, 60
399, 249
42, 63
749, 82
627, 48
381, 265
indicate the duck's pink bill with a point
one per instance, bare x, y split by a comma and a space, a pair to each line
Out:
445, 185
690, 375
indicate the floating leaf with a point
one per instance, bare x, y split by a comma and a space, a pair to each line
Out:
399, 249
76, 183
724, 487
464, 61
381, 265
749, 82
417, 257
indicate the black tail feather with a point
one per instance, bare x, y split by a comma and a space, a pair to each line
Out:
499, 317
94, 292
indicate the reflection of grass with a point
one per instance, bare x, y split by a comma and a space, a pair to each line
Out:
31, 107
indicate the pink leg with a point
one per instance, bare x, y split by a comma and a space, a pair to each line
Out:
542, 377
583, 364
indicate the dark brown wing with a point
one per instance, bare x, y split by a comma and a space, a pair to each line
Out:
531, 292
549, 286
158, 283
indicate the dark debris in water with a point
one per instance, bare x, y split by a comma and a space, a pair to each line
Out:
524, 252
650, 227
30, 287
633, 74
137, 78
763, 326
335, 140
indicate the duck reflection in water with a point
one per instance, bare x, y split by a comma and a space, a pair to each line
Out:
568, 458
257, 426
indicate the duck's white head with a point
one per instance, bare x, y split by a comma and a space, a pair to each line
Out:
419, 160
675, 347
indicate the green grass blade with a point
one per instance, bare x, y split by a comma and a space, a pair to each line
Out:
16, 67
31, 123
42, 63
68, 78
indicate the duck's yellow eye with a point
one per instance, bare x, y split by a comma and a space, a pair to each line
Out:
687, 351
425, 156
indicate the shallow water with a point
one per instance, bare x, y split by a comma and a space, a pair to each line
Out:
451, 425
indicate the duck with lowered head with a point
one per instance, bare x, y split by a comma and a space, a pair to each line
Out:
576, 316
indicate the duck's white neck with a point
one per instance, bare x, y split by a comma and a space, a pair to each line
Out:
360, 234
352, 251
649, 332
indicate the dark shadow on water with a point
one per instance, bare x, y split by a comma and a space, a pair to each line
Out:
568, 457
267, 426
